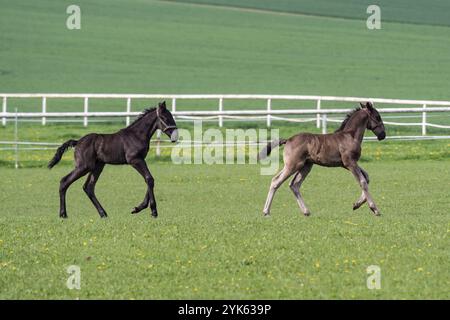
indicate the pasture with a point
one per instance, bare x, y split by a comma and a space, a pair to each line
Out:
211, 240
208, 243
171, 47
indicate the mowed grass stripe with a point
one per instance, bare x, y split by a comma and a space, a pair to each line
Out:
163, 48
433, 12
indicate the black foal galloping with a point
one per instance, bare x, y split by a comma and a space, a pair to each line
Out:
127, 146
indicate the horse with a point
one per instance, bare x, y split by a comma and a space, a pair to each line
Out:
339, 149
129, 145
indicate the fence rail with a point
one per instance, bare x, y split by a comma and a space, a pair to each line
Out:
423, 107
319, 114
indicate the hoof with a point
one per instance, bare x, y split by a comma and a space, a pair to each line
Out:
307, 214
266, 215
154, 215
104, 216
135, 210
375, 211
356, 206
63, 216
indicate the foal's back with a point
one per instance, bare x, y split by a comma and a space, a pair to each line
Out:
322, 149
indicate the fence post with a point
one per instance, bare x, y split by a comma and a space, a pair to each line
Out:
127, 120
16, 140
174, 106
86, 110
158, 143
269, 108
220, 110
4, 111
324, 123
318, 114
424, 121
44, 110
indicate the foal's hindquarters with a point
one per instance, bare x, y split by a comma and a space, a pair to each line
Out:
295, 162
93, 166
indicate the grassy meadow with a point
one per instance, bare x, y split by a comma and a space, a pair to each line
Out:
208, 243
147, 46
211, 240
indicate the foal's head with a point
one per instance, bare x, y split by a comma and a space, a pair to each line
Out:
375, 124
165, 122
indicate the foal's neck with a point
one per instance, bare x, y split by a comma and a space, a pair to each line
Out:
357, 124
145, 127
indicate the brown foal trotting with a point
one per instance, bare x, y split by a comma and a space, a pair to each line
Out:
339, 149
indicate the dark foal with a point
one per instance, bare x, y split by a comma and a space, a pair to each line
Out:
339, 149
127, 146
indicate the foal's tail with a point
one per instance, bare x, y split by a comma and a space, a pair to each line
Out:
268, 149
59, 153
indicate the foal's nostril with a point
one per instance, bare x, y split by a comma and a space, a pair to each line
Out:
382, 135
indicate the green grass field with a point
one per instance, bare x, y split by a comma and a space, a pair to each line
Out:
148, 46
434, 12
208, 243
211, 240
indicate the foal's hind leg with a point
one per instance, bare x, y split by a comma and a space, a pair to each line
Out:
296, 183
362, 199
65, 183
277, 181
89, 188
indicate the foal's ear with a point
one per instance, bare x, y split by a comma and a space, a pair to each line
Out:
162, 105
369, 105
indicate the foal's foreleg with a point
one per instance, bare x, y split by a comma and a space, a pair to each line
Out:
142, 206
358, 174
89, 188
149, 199
295, 185
362, 199
277, 181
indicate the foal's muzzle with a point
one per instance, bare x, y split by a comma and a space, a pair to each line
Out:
174, 135
381, 136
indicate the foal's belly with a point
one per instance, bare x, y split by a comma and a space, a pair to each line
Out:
325, 156
110, 150
327, 162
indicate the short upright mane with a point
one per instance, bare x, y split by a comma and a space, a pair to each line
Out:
143, 114
347, 118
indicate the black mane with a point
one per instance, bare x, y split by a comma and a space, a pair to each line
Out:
347, 118
143, 114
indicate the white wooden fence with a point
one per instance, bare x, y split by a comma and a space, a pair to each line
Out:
320, 114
